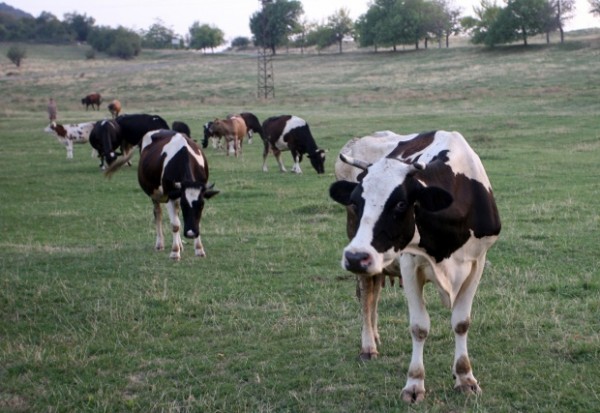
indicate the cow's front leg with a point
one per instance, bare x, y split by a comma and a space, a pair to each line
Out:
369, 290
461, 321
296, 168
413, 281
160, 239
177, 247
198, 247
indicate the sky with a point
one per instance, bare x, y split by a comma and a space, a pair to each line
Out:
231, 16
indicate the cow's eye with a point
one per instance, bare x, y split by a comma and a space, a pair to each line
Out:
400, 207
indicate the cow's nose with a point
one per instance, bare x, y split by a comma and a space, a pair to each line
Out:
357, 261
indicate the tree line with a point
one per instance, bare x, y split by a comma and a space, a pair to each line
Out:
281, 23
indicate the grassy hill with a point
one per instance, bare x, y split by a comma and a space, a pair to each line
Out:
92, 319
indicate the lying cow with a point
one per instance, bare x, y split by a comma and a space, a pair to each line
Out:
69, 134
233, 129
370, 149
93, 99
287, 132
173, 170
428, 204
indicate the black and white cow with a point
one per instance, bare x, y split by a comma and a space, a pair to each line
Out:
287, 132
118, 137
182, 127
68, 134
429, 204
173, 170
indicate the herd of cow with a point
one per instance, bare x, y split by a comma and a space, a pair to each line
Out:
419, 207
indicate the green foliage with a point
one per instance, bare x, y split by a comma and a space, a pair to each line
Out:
158, 36
240, 42
273, 25
16, 53
205, 36
80, 25
120, 42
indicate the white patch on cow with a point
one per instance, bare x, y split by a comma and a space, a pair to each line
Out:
192, 195
293, 123
177, 143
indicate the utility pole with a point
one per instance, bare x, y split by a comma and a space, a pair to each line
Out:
266, 81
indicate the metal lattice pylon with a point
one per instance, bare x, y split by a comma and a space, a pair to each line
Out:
266, 81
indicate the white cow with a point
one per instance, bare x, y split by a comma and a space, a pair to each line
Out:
71, 133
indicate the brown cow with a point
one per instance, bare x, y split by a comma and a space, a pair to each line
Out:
114, 108
233, 130
93, 99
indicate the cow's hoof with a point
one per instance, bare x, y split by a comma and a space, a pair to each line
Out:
200, 254
175, 256
368, 355
413, 395
469, 388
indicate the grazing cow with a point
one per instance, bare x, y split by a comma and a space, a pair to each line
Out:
105, 139
182, 127
114, 108
173, 170
208, 133
128, 133
233, 130
286, 132
369, 149
92, 100
252, 125
429, 204
70, 133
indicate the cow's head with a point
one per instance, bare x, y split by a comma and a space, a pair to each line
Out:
384, 203
317, 160
207, 133
191, 197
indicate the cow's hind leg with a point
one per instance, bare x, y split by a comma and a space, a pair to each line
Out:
277, 154
265, 154
160, 239
369, 290
177, 247
461, 320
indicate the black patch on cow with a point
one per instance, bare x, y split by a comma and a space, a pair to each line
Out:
135, 126
406, 149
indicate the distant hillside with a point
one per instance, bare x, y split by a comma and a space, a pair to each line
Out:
14, 12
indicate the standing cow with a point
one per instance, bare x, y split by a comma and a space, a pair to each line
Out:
93, 99
430, 205
173, 170
252, 125
369, 149
233, 130
68, 134
287, 132
114, 108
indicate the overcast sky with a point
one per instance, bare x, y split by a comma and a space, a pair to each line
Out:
231, 16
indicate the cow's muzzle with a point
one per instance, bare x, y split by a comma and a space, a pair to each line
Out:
358, 262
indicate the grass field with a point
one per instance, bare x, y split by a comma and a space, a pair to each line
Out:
92, 319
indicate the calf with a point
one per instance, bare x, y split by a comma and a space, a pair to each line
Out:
286, 132
233, 130
114, 108
70, 133
93, 99
369, 149
173, 170
430, 205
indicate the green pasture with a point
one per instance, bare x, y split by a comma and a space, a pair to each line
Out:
92, 319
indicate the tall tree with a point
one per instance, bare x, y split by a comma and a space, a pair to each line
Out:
79, 24
563, 10
158, 36
205, 36
341, 25
595, 4
275, 22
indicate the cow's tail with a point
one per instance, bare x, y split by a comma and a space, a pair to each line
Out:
119, 162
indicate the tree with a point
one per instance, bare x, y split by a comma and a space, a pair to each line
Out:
275, 23
480, 27
158, 36
16, 54
240, 42
531, 17
79, 25
341, 25
562, 9
595, 4
119, 42
205, 36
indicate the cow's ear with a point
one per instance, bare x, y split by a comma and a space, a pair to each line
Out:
340, 191
434, 199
